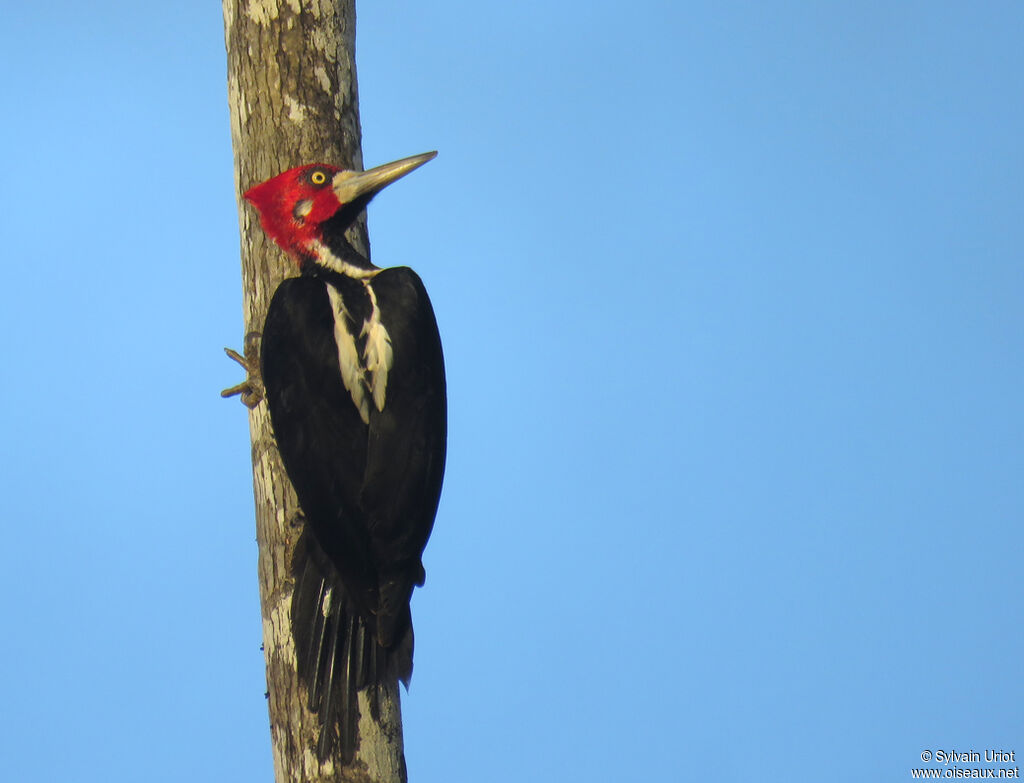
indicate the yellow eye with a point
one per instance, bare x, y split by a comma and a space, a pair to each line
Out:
318, 178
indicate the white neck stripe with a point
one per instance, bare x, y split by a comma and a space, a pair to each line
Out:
323, 254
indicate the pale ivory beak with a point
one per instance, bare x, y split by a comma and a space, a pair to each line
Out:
351, 185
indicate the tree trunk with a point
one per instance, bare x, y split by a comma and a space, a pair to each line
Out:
293, 100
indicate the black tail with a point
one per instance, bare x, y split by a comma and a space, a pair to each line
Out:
338, 651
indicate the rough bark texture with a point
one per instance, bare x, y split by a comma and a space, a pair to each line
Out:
293, 100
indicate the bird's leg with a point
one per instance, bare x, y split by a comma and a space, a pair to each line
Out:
251, 388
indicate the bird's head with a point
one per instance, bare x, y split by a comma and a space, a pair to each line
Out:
295, 206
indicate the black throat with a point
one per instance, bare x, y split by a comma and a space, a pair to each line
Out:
333, 236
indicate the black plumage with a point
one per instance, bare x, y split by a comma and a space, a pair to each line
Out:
368, 489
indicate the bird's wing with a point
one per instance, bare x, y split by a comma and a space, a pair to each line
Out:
406, 445
319, 431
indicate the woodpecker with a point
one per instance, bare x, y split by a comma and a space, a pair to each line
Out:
353, 376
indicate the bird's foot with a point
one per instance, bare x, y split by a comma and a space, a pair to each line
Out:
251, 389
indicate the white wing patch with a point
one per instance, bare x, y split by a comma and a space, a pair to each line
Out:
348, 357
325, 607
368, 376
377, 354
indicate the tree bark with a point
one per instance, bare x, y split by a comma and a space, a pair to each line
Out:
293, 100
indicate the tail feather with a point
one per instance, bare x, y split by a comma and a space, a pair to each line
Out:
349, 705
338, 652
336, 702
315, 648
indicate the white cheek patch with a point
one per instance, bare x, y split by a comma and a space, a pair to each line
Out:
301, 210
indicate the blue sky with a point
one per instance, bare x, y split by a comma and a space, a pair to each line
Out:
731, 302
